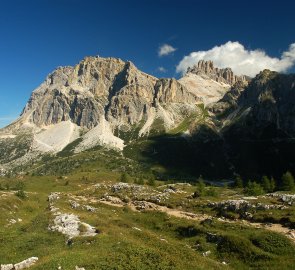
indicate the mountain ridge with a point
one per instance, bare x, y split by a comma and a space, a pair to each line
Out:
109, 102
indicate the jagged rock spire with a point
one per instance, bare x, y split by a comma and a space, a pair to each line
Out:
224, 75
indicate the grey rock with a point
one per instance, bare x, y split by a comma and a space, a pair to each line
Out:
7, 266
21, 265
224, 75
79, 268
26, 263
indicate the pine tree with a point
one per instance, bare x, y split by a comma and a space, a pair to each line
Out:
239, 182
288, 181
265, 183
273, 184
201, 186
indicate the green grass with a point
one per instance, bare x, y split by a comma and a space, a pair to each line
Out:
163, 242
183, 126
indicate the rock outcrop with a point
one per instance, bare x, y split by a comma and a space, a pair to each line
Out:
95, 87
68, 224
100, 95
223, 75
98, 89
210, 83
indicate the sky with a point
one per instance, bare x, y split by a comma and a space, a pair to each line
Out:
161, 37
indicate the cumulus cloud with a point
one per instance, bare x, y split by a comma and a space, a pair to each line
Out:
240, 60
166, 49
162, 69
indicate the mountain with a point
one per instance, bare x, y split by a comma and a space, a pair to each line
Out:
99, 101
209, 122
259, 127
208, 82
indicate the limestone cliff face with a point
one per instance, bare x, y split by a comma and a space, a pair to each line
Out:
101, 87
101, 101
270, 99
93, 88
171, 91
229, 102
224, 75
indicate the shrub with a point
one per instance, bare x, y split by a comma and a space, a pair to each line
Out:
186, 232
201, 186
273, 243
212, 192
21, 194
240, 248
254, 189
151, 181
20, 185
140, 181
124, 178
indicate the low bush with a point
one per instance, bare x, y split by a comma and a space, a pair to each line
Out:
241, 248
273, 243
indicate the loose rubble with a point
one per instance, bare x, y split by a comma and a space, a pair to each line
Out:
142, 205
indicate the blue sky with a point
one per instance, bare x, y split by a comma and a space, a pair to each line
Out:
37, 36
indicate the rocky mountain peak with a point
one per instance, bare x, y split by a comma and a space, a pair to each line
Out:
99, 89
223, 75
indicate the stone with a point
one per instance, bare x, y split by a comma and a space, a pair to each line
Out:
7, 266
74, 204
90, 208
21, 265
143, 205
206, 253
54, 196
79, 268
223, 75
69, 224
26, 263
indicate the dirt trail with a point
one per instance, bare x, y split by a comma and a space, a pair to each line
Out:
188, 215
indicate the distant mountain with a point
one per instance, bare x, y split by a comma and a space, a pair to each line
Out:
210, 121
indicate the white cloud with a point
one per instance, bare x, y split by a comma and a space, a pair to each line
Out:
166, 49
162, 69
240, 60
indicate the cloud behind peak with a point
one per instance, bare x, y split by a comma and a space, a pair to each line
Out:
240, 60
